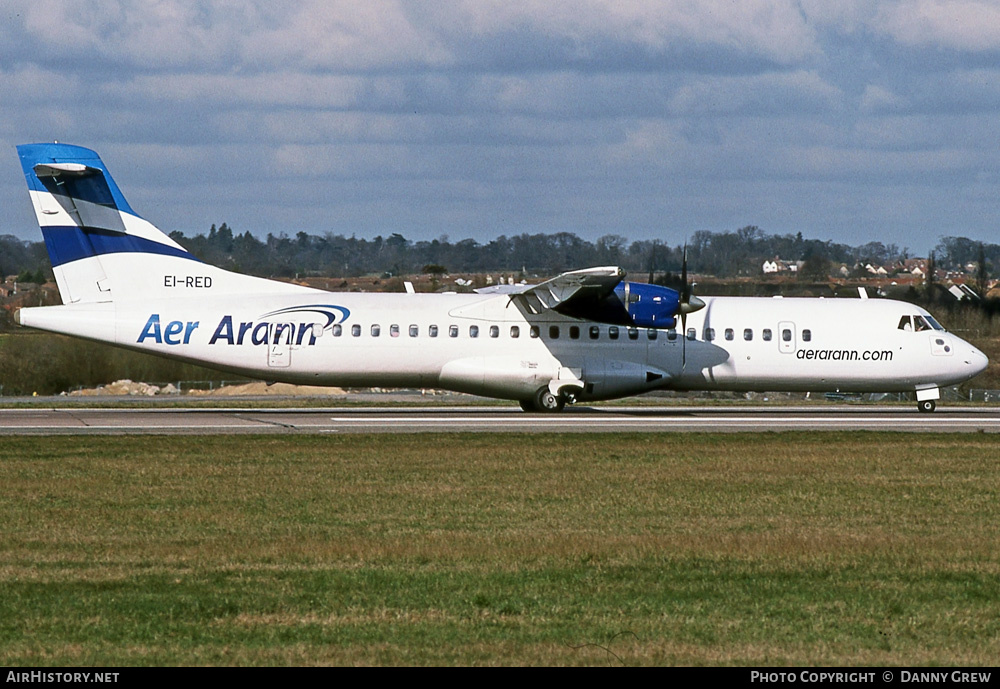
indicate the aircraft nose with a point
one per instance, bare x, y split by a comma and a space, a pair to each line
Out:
978, 361
973, 362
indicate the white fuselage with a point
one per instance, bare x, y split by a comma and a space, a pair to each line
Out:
491, 345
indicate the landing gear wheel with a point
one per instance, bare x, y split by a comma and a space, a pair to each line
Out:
546, 401
926, 406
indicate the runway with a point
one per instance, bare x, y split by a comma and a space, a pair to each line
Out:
498, 419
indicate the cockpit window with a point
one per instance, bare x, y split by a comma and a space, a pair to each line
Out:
918, 323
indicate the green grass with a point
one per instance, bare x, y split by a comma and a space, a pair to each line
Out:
825, 549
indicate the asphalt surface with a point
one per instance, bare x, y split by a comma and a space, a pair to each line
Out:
73, 420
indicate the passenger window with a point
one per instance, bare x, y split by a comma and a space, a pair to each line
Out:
376, 330
533, 331
394, 330
786, 335
807, 335
651, 334
633, 333
432, 330
414, 331
766, 334
748, 334
452, 331
595, 332
613, 332
691, 334
338, 330
355, 331
554, 332
515, 332
494, 331
730, 335
709, 334
672, 334
473, 331
574, 332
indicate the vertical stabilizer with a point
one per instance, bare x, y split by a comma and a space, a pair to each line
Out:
101, 251
85, 220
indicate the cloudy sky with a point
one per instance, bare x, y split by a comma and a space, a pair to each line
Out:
851, 120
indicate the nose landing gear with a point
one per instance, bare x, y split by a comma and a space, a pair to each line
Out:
926, 397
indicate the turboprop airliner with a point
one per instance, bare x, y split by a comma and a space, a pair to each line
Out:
582, 336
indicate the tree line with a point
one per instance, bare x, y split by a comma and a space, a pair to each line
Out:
722, 254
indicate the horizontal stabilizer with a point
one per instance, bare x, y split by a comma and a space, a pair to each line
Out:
64, 170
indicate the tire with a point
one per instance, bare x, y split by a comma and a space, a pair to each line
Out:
926, 406
547, 402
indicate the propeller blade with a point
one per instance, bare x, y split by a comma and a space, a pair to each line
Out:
685, 288
685, 296
684, 337
688, 304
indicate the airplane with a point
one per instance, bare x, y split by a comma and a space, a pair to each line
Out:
582, 336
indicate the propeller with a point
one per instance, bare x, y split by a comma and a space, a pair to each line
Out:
688, 304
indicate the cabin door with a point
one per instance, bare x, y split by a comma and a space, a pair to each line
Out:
786, 337
279, 344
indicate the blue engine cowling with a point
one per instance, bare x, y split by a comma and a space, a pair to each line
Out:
649, 306
630, 304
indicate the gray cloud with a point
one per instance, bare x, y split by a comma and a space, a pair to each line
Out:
846, 120
963, 25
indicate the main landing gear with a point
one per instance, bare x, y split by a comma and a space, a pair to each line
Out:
926, 406
544, 401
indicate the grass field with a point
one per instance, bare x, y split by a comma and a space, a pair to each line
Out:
818, 549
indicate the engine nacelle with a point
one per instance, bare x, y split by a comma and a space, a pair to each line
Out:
649, 306
630, 304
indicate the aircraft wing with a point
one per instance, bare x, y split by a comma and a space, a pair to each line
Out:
589, 285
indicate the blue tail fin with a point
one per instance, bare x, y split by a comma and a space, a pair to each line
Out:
85, 220
101, 251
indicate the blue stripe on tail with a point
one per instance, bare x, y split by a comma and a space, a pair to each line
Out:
70, 243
